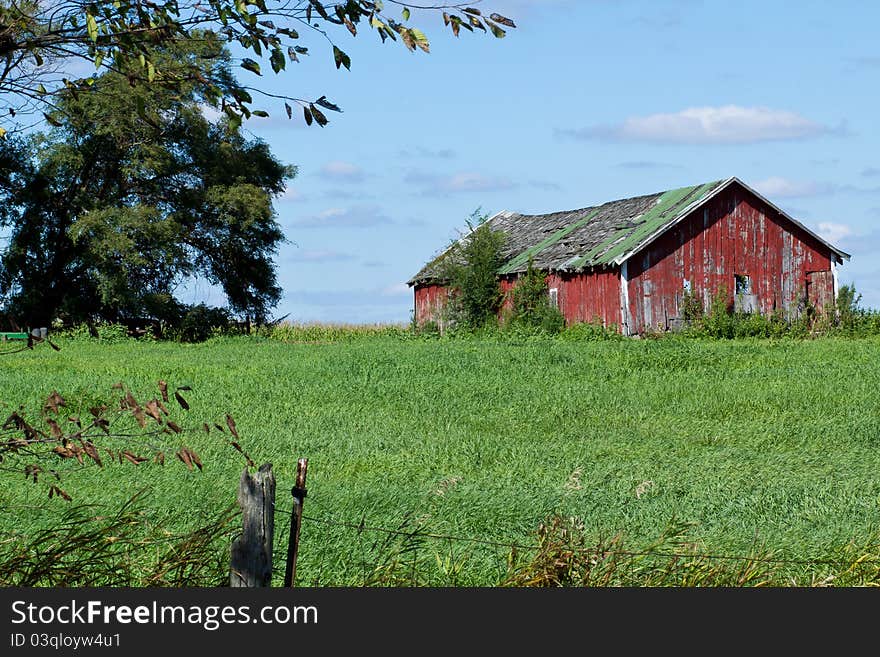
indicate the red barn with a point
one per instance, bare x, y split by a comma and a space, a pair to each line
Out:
628, 263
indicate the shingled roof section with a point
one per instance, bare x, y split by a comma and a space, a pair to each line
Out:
602, 235
575, 240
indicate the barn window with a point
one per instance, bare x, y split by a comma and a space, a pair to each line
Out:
687, 285
554, 297
742, 284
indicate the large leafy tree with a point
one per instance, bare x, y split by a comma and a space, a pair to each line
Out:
40, 39
134, 190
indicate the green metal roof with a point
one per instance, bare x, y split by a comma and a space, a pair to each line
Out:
667, 207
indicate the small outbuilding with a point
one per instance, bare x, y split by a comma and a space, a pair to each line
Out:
629, 263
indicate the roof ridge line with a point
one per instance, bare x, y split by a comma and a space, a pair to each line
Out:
719, 185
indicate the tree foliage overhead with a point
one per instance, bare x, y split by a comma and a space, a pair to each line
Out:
39, 39
133, 191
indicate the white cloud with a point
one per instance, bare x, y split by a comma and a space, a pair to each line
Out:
319, 255
291, 194
357, 217
396, 290
474, 182
727, 124
647, 164
545, 185
338, 194
433, 184
833, 232
342, 172
779, 187
421, 151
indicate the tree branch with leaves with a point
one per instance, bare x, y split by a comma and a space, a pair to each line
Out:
41, 40
123, 430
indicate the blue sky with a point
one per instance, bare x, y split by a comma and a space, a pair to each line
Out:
583, 103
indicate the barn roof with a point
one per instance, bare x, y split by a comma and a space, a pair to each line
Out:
602, 235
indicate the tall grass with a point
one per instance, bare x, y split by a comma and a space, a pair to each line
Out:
767, 445
318, 332
97, 545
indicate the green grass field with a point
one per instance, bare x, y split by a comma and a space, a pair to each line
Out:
770, 447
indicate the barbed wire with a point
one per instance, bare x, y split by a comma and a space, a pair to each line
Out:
363, 527
14, 351
597, 551
30, 343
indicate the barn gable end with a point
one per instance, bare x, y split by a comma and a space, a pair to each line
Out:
734, 234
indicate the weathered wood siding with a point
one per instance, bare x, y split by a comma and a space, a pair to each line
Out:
734, 233
590, 296
587, 297
429, 302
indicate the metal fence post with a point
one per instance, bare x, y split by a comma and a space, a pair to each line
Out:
299, 495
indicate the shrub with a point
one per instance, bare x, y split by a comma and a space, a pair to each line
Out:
201, 322
751, 325
316, 332
471, 267
594, 330
691, 307
530, 303
101, 331
426, 329
846, 308
567, 556
719, 321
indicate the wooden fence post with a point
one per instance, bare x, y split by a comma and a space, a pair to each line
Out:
251, 554
299, 494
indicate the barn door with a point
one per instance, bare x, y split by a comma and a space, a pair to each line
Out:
820, 288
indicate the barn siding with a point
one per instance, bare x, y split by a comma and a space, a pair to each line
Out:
507, 285
592, 296
429, 302
734, 233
